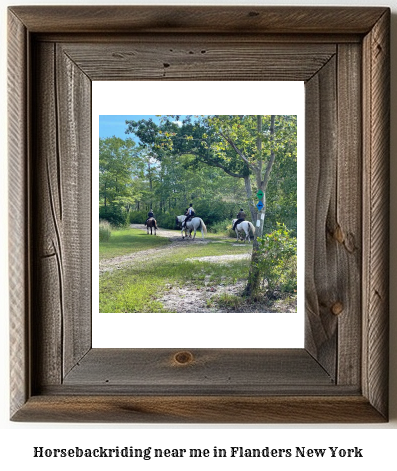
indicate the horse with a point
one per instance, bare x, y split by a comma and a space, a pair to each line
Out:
151, 222
244, 226
192, 225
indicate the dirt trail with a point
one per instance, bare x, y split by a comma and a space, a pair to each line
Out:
191, 298
162, 232
123, 261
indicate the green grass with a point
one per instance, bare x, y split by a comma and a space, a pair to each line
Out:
229, 300
104, 231
125, 241
137, 288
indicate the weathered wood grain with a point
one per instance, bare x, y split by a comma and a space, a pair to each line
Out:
346, 290
199, 409
73, 93
206, 60
347, 226
199, 19
244, 37
321, 264
19, 201
62, 172
232, 369
376, 92
47, 284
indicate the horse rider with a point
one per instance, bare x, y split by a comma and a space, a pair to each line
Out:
189, 214
240, 218
150, 214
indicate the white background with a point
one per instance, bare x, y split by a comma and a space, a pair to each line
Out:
17, 440
227, 330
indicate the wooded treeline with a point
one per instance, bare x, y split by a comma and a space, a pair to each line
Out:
215, 162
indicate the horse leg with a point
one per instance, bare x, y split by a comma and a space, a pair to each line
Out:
236, 235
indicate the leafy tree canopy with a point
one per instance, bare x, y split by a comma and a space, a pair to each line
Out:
117, 160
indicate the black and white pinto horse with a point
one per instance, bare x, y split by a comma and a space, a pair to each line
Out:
244, 226
152, 224
192, 225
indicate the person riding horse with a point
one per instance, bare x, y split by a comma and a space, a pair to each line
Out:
149, 215
189, 215
240, 218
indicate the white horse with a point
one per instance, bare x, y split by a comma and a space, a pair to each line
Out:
244, 226
192, 225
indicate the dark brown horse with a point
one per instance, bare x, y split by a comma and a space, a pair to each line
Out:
151, 223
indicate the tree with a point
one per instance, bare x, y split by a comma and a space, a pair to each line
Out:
244, 147
116, 163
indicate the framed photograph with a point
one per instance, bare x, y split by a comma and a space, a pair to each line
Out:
56, 57
161, 165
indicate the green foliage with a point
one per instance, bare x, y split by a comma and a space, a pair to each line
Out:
116, 163
278, 214
212, 212
230, 301
221, 227
137, 217
208, 159
104, 231
281, 195
115, 215
137, 288
127, 241
166, 220
277, 262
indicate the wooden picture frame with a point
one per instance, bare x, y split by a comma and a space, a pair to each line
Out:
342, 54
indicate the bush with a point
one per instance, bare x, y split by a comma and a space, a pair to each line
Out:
221, 227
104, 231
137, 217
164, 220
231, 233
278, 260
285, 216
115, 215
167, 220
214, 212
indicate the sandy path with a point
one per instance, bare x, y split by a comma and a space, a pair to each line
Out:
191, 298
123, 261
160, 232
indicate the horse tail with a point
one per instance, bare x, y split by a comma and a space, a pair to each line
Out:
203, 226
155, 223
251, 226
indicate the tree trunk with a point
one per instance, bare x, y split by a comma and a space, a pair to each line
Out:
254, 278
248, 190
252, 288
